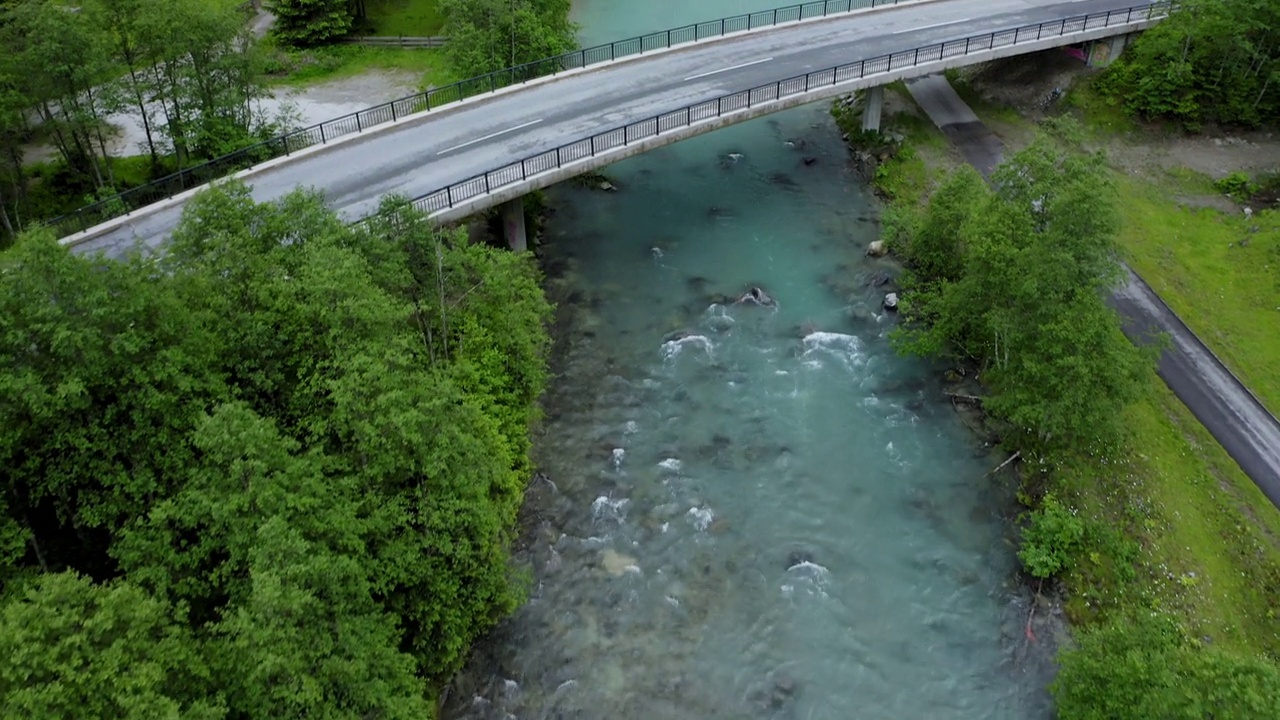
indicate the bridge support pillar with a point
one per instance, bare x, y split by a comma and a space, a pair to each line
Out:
874, 103
1104, 52
513, 224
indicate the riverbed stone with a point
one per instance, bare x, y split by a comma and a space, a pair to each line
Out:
877, 248
891, 301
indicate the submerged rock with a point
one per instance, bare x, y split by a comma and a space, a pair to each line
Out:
798, 557
615, 563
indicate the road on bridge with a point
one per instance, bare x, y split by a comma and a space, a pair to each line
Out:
458, 142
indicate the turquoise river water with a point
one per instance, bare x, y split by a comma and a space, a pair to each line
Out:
747, 512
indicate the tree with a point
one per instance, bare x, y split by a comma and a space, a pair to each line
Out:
1025, 301
489, 35
1144, 666
308, 440
305, 23
74, 649
1210, 61
66, 71
103, 377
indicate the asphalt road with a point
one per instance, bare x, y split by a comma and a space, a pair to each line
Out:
1249, 433
457, 143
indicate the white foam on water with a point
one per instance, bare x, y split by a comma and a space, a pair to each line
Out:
670, 465
673, 348
607, 508
631, 427
615, 458
847, 349
701, 517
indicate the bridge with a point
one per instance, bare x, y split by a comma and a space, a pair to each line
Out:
493, 148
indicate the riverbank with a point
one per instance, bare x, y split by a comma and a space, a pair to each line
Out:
1173, 523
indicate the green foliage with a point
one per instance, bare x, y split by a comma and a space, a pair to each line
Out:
1051, 538
74, 650
936, 247
1211, 60
307, 441
186, 70
489, 35
1016, 287
1236, 186
1144, 666
306, 23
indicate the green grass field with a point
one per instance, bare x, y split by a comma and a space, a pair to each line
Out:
296, 68
409, 18
1219, 272
1207, 541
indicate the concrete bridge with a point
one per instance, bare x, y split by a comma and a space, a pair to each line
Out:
494, 148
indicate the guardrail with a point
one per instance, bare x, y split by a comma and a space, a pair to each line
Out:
707, 111
186, 179
434, 41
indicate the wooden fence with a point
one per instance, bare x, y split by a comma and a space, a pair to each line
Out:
400, 42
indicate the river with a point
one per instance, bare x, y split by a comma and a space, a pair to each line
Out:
747, 511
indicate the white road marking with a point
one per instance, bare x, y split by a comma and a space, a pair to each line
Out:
935, 25
490, 136
735, 67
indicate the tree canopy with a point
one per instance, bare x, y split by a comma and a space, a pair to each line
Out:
1210, 61
290, 451
489, 35
1011, 279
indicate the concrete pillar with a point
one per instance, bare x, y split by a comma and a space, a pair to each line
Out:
513, 224
874, 103
1104, 52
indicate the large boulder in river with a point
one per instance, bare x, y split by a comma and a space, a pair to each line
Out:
877, 249
891, 301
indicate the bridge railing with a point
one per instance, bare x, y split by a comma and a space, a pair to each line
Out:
321, 133
610, 140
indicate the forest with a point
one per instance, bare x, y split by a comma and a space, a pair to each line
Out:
272, 473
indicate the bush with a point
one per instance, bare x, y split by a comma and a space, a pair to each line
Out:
1051, 539
1236, 186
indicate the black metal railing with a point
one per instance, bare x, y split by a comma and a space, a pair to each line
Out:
321, 133
707, 111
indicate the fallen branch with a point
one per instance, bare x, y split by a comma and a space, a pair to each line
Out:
966, 398
1002, 465
1031, 636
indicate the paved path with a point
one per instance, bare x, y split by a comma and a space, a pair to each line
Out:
1248, 432
454, 144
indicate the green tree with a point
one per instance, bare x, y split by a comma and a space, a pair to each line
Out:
1026, 302
489, 35
65, 70
305, 23
102, 378
309, 439
1210, 61
1144, 666
74, 649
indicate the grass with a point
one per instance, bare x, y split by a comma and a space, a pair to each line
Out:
1220, 273
1207, 541
297, 68
54, 190
408, 18
1098, 113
